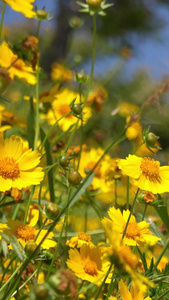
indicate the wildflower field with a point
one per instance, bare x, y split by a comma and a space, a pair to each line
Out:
84, 178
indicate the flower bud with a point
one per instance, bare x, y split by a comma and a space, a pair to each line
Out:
74, 177
52, 210
41, 14
41, 292
30, 247
77, 109
81, 77
64, 161
94, 3
54, 280
151, 139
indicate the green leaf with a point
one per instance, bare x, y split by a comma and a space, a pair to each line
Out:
49, 162
4, 248
31, 124
15, 245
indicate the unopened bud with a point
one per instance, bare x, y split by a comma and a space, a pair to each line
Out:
41, 14
151, 139
77, 109
30, 247
74, 177
94, 3
64, 161
52, 210
41, 292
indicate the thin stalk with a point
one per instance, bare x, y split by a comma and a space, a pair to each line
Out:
130, 213
144, 213
111, 287
12, 276
85, 224
103, 282
162, 252
128, 193
81, 129
16, 211
138, 147
93, 59
56, 250
71, 136
51, 128
37, 95
28, 204
161, 297
115, 193
41, 228
2, 19
27, 280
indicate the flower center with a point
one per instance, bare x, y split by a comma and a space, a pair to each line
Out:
150, 169
84, 237
64, 109
90, 268
132, 230
25, 232
9, 169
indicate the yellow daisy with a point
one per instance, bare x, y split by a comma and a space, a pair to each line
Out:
136, 293
18, 169
17, 67
105, 172
124, 259
27, 232
60, 107
136, 233
79, 240
146, 173
60, 73
87, 264
23, 6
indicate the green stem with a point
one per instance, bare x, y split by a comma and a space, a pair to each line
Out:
2, 19
85, 224
103, 282
51, 128
41, 228
56, 250
161, 297
162, 252
111, 286
138, 147
37, 96
144, 213
93, 58
28, 205
128, 193
130, 213
15, 211
21, 287
11, 277
81, 130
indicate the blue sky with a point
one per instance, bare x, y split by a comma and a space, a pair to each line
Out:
152, 53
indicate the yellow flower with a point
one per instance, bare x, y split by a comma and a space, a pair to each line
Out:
60, 107
146, 173
136, 293
125, 259
136, 233
105, 172
78, 241
127, 109
61, 73
16, 66
23, 6
27, 232
87, 264
18, 169
133, 131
